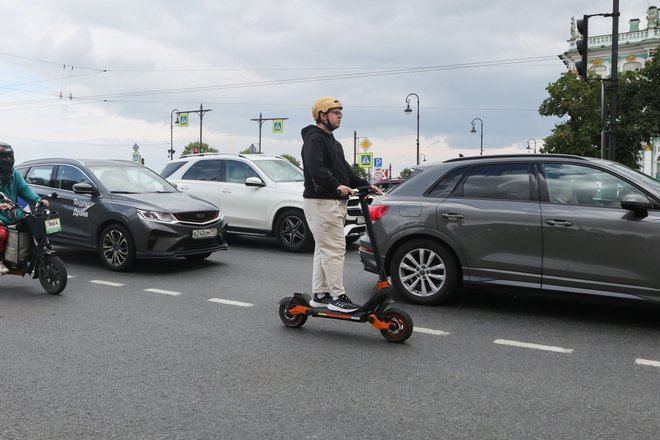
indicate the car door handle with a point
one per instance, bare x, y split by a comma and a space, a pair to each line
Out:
552, 222
183, 187
452, 216
226, 190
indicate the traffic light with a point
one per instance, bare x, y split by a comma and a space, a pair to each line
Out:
196, 150
583, 29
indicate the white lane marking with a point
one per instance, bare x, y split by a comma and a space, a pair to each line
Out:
230, 302
70, 276
106, 283
533, 346
647, 362
163, 292
430, 331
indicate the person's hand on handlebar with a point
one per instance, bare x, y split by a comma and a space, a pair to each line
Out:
376, 190
4, 206
346, 191
45, 202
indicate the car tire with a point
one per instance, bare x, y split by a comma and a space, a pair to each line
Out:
292, 231
425, 272
117, 248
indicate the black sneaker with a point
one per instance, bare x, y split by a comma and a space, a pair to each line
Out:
343, 304
320, 300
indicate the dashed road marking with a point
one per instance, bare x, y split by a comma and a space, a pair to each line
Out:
430, 331
533, 346
647, 362
106, 283
230, 302
163, 292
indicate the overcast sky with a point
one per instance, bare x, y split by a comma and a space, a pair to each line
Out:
122, 67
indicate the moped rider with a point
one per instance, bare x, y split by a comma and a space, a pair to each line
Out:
13, 186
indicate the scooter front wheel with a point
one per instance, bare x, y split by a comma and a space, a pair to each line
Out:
290, 320
401, 322
52, 274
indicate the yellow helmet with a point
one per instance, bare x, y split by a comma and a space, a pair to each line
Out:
323, 105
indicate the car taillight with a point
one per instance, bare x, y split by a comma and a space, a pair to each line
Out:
378, 212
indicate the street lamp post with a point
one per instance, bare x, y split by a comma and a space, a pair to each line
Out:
481, 127
408, 110
528, 147
171, 150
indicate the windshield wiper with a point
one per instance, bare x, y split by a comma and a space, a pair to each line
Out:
123, 192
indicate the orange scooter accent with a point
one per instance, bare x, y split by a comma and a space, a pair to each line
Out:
380, 325
300, 310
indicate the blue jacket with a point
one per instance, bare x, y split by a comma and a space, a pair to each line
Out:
17, 188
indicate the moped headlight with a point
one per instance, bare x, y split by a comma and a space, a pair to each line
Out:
155, 216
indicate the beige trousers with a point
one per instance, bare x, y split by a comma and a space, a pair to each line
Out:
325, 218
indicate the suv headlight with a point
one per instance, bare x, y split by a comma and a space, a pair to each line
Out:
154, 216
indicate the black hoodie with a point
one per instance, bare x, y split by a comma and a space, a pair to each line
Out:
324, 165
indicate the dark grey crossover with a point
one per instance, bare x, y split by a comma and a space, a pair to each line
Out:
124, 211
558, 223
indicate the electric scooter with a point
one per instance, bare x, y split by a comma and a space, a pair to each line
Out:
394, 324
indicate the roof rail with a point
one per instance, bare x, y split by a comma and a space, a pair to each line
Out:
504, 156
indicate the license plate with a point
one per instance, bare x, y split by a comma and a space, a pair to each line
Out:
204, 233
360, 220
53, 225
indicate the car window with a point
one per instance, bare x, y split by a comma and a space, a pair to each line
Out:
446, 185
207, 170
67, 176
130, 179
497, 181
280, 170
585, 186
171, 168
39, 175
237, 172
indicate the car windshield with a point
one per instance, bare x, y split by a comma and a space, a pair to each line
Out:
130, 179
281, 170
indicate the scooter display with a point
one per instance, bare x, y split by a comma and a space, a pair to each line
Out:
28, 251
394, 324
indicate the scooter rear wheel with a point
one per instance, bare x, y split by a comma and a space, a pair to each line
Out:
52, 274
290, 320
403, 325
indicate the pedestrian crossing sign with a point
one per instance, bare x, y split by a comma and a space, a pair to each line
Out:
278, 126
183, 119
366, 160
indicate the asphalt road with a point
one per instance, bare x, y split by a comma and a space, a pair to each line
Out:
175, 350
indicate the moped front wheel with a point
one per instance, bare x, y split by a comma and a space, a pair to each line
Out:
52, 274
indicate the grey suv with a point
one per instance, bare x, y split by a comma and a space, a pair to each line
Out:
557, 223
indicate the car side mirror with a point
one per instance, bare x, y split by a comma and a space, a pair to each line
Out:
254, 181
636, 203
84, 188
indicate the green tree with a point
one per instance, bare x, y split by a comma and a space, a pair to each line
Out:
405, 173
578, 103
190, 149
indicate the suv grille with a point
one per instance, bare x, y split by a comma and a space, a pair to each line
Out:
197, 216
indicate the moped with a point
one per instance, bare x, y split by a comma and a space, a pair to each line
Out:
28, 250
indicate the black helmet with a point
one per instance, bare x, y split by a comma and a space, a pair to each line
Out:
6, 158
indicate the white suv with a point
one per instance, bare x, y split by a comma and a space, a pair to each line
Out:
259, 194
